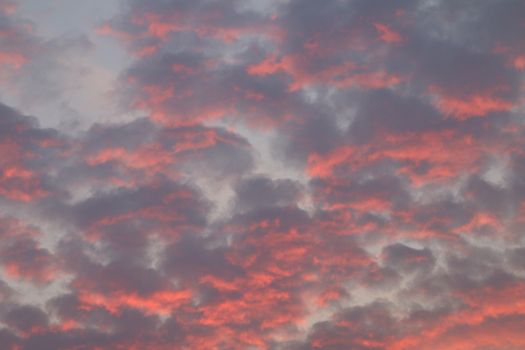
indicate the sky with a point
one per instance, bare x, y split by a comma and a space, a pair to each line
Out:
262, 175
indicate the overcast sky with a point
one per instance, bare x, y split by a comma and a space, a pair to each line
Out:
262, 175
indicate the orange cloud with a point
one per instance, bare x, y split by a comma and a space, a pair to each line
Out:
343, 75
386, 34
471, 106
14, 59
160, 303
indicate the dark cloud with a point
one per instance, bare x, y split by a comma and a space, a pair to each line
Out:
405, 258
29, 152
260, 192
26, 319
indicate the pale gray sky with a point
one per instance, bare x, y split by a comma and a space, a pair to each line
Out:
71, 83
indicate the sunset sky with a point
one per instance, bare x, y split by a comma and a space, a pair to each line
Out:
262, 175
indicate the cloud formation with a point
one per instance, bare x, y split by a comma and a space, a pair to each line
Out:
300, 175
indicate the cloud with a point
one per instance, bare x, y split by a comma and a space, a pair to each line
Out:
296, 175
28, 150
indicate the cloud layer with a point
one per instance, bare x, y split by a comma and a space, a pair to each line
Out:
302, 175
